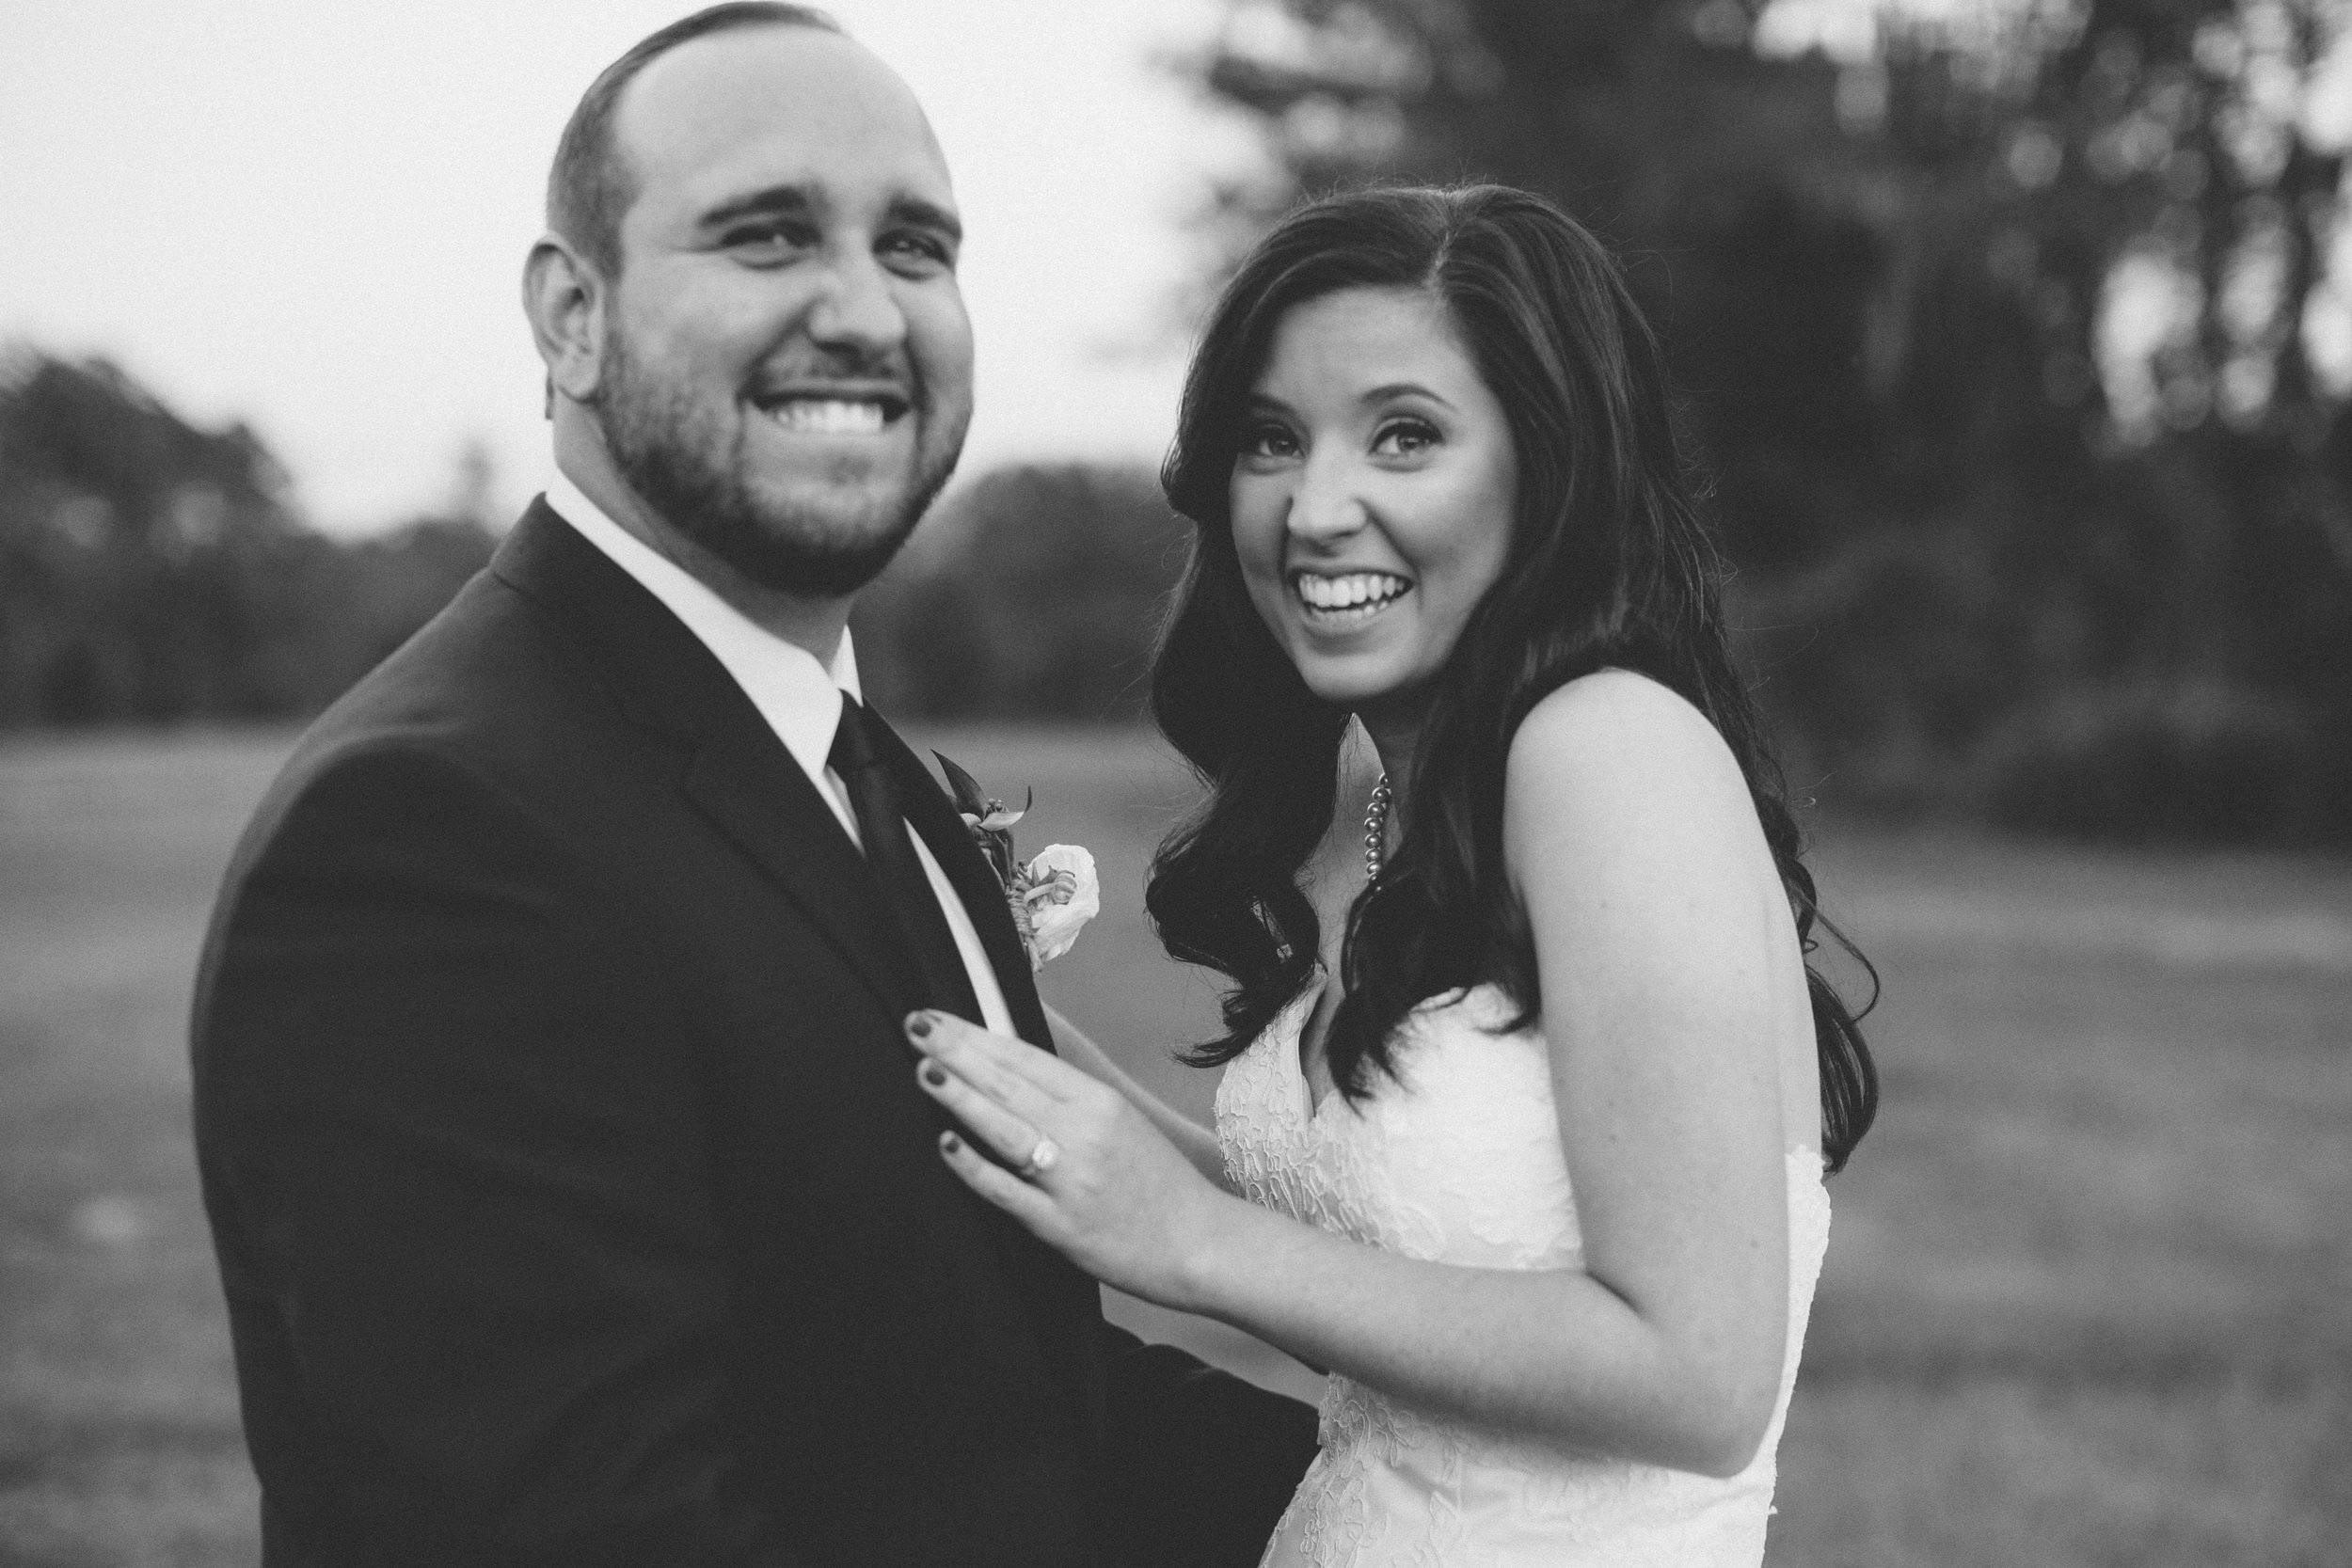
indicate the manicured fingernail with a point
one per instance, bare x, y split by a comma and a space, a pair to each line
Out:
918, 1024
952, 1143
935, 1075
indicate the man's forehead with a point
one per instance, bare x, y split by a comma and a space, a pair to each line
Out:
773, 101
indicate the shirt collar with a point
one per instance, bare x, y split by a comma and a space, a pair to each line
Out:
800, 697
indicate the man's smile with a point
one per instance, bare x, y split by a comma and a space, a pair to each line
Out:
834, 411
833, 416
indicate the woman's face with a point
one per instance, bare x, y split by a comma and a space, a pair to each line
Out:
1373, 495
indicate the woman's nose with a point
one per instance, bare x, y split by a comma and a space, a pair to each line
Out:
1327, 504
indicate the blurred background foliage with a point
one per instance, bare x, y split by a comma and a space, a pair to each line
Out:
153, 572
2017, 343
1035, 592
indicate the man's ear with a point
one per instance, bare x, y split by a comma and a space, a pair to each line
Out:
564, 298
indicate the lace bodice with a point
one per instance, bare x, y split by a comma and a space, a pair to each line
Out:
1457, 1160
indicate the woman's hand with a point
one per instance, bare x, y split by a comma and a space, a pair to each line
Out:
1195, 1142
1091, 1175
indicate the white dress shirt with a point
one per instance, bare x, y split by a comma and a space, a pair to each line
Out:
800, 698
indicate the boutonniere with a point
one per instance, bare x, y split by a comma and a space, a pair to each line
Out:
1052, 897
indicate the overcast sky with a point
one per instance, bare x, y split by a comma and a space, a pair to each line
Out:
311, 215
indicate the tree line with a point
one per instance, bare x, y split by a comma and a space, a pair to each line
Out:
155, 572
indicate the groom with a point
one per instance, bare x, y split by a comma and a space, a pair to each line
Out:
574, 1197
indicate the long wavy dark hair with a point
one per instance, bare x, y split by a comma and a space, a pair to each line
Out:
1610, 566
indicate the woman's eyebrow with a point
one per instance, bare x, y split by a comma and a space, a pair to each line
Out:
1404, 389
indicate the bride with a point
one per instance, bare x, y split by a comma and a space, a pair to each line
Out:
1529, 1089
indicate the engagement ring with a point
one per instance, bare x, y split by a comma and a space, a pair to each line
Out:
1041, 1159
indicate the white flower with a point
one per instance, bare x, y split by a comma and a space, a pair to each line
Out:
1062, 895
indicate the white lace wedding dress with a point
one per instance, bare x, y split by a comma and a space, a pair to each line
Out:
1460, 1162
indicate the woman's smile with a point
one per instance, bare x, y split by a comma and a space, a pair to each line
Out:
1347, 601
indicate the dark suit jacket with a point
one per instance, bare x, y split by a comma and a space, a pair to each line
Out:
574, 1198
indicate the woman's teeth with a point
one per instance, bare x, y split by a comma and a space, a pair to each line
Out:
1358, 596
829, 416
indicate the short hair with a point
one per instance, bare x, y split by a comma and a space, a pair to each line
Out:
589, 186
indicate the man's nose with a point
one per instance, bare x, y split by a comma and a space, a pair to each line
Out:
1327, 504
856, 311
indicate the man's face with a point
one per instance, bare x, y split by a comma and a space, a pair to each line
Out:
789, 364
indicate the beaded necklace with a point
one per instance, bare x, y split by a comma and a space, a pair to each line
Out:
1377, 830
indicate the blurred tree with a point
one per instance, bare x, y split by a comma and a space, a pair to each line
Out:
2014, 345
1034, 591
130, 547
153, 572
2130, 204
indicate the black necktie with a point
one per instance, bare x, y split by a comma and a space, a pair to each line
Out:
881, 824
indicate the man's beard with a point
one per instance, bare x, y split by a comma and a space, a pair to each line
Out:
677, 460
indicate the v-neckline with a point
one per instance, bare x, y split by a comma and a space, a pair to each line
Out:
1302, 1007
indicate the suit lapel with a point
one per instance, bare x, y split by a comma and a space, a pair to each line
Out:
936, 818
1066, 1301
772, 813
738, 776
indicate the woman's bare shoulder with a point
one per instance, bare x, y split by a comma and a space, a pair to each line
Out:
1617, 739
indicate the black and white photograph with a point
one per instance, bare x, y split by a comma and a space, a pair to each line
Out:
1176, 783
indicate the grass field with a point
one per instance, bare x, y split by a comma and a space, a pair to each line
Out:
2089, 1298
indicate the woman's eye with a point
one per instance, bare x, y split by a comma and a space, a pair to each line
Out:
1268, 440
1404, 437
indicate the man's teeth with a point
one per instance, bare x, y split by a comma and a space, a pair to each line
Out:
1355, 589
829, 416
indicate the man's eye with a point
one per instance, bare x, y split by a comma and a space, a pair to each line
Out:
1405, 438
925, 249
767, 238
